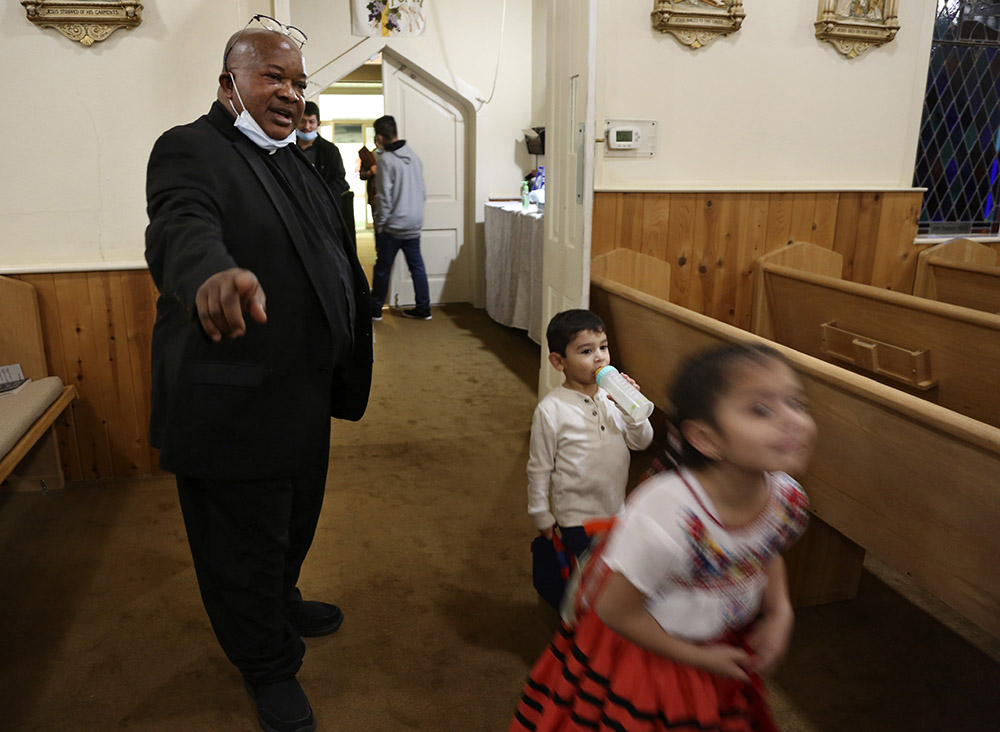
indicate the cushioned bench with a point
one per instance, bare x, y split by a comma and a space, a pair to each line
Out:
29, 449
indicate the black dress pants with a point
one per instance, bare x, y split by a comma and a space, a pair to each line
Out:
248, 540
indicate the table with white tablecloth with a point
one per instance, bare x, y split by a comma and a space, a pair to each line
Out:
514, 244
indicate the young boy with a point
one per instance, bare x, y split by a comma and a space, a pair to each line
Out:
579, 455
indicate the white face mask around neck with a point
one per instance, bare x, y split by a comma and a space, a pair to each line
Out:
246, 124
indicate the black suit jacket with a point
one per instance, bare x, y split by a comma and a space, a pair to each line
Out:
258, 406
330, 165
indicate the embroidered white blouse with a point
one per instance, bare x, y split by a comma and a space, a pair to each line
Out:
700, 577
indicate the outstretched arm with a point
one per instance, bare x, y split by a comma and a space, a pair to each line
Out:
184, 242
621, 606
224, 297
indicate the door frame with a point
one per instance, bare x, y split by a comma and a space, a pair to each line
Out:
394, 65
464, 97
570, 193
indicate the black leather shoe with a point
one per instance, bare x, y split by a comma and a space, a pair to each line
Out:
282, 707
417, 314
312, 618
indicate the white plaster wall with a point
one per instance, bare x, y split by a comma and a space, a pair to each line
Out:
769, 107
539, 36
461, 49
79, 122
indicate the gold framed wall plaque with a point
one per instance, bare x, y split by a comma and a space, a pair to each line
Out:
696, 22
854, 26
86, 21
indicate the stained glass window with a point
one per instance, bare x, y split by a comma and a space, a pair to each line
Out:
959, 153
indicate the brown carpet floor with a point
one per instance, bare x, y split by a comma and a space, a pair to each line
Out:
424, 542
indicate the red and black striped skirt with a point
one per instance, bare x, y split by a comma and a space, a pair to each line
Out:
590, 678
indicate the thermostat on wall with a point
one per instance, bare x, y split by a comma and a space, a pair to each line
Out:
624, 138
629, 138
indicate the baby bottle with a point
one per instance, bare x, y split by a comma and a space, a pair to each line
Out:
627, 397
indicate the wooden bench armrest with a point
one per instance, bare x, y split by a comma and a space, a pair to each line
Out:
36, 431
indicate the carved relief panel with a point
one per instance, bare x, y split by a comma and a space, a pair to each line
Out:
84, 21
696, 22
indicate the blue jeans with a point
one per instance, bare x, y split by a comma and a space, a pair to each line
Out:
386, 247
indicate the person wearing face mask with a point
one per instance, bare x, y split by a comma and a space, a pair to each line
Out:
327, 159
262, 333
321, 153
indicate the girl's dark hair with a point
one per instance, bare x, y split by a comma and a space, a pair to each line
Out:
702, 380
565, 325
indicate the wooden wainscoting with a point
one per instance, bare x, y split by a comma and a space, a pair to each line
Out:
711, 240
98, 328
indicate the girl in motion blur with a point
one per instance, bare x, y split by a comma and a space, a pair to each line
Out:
684, 605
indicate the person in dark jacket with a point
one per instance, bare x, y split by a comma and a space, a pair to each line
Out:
327, 159
244, 383
320, 152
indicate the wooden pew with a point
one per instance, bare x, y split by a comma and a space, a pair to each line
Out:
641, 271
27, 418
944, 353
906, 479
960, 272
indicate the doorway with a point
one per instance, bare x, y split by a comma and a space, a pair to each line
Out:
432, 120
348, 110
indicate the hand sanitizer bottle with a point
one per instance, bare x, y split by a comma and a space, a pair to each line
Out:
629, 399
525, 203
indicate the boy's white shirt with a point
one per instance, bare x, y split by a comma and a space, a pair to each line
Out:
576, 470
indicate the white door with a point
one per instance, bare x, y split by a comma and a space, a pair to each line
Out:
569, 173
434, 128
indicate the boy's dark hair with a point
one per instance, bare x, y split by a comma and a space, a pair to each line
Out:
311, 109
386, 126
565, 325
702, 380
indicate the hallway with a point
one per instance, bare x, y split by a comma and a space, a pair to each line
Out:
424, 542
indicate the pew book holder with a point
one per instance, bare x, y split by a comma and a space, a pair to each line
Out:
912, 368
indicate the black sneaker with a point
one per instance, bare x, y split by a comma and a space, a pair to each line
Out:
282, 707
312, 618
417, 314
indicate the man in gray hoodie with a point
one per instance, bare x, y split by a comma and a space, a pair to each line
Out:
399, 217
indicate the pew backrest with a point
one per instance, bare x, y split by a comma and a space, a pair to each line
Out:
943, 353
635, 269
909, 480
960, 272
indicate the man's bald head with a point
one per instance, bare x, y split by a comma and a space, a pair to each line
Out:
263, 73
246, 46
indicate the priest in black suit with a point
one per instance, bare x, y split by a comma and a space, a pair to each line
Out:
262, 333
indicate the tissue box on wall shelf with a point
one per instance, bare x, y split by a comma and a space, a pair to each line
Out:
534, 139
